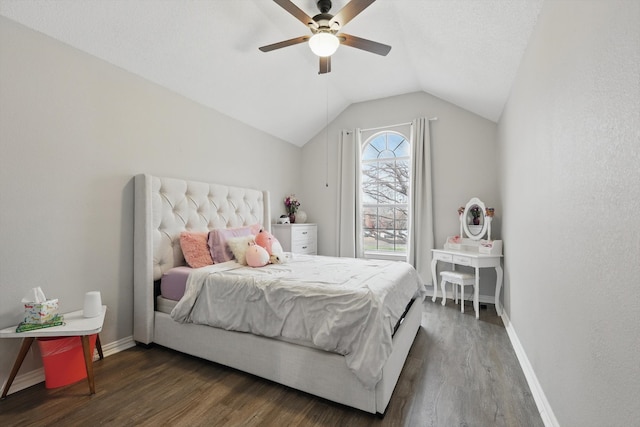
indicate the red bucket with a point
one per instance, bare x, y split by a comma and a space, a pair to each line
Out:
63, 360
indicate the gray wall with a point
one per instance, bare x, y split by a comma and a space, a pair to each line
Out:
464, 162
570, 147
74, 130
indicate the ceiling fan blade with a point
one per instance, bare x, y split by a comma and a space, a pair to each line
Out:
350, 11
280, 45
296, 12
325, 65
364, 44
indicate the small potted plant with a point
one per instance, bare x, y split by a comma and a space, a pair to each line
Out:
291, 204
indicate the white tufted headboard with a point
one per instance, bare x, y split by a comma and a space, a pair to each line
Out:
164, 207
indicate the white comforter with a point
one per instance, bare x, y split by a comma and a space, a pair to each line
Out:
344, 305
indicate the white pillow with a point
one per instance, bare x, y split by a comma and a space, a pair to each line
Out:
239, 246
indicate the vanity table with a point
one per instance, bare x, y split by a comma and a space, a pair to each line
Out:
472, 259
472, 251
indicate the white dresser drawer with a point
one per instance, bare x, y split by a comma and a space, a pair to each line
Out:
304, 248
303, 233
462, 260
443, 257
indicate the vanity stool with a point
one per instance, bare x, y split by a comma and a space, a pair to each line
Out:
460, 279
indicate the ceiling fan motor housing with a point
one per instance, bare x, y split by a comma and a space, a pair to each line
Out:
324, 6
323, 22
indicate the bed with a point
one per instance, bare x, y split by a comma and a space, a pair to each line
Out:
165, 207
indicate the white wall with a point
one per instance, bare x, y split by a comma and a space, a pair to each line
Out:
570, 148
74, 130
463, 147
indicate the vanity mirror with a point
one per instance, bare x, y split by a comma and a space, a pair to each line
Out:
473, 220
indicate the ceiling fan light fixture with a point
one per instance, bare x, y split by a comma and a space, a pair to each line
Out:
326, 31
324, 43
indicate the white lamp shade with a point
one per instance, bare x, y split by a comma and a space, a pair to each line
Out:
92, 304
324, 44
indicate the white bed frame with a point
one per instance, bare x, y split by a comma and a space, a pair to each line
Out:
164, 207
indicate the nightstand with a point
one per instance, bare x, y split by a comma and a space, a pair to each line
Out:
297, 238
75, 326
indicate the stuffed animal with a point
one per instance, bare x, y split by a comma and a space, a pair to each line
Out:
256, 255
276, 259
269, 242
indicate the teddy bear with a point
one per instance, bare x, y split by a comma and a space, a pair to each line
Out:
270, 243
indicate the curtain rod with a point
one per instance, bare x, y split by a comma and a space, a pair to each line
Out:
394, 126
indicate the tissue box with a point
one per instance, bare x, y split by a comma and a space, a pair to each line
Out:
40, 312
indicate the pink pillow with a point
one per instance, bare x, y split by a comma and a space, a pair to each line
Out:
220, 251
195, 249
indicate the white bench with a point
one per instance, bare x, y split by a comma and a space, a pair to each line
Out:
460, 279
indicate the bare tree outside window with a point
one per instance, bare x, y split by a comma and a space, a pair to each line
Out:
385, 193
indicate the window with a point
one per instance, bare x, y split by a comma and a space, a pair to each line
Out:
386, 168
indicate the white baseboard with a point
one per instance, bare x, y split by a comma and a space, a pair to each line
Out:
36, 376
546, 413
484, 299
25, 380
118, 346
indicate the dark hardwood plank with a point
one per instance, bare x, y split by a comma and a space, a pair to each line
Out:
460, 372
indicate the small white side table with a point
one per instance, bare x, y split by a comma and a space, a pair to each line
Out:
76, 325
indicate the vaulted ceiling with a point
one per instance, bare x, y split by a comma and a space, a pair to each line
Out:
466, 52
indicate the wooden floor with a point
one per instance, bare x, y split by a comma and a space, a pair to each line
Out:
460, 372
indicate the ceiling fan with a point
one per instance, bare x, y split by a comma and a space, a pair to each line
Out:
325, 38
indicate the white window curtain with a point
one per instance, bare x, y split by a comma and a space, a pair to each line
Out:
349, 239
421, 217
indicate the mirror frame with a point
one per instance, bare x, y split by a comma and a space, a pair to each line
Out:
467, 212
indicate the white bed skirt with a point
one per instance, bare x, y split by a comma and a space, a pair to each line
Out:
314, 371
